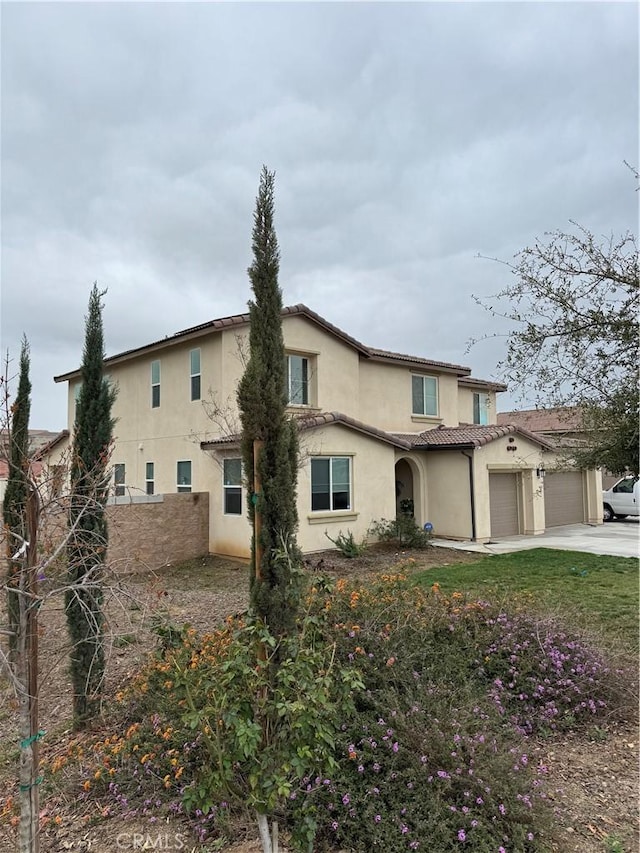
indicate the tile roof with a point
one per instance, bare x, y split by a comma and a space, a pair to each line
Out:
472, 382
555, 419
306, 422
466, 435
237, 320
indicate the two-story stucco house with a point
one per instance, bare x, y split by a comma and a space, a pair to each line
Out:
377, 428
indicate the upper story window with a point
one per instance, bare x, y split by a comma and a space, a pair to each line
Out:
119, 479
481, 406
424, 395
194, 367
298, 380
155, 384
331, 483
184, 476
232, 486
150, 478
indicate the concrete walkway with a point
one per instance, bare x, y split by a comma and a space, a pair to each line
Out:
620, 538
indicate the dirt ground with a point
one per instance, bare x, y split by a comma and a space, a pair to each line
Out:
593, 783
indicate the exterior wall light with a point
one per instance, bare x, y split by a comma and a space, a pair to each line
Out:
540, 472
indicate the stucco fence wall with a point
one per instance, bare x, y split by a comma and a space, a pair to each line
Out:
145, 532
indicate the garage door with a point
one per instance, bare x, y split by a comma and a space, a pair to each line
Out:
503, 503
563, 498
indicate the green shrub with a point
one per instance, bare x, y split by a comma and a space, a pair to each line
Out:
347, 545
402, 530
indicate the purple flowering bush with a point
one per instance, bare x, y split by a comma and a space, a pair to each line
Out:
427, 763
542, 677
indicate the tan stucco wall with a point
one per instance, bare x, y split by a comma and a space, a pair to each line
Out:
449, 503
385, 398
373, 493
465, 404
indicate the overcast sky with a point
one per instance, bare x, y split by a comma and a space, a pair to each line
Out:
406, 140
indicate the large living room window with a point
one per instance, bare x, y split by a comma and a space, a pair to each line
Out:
298, 380
155, 384
481, 409
232, 485
330, 483
424, 395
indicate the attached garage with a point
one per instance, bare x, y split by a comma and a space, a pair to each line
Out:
563, 498
504, 504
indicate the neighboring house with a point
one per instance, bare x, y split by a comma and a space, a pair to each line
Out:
376, 428
45, 449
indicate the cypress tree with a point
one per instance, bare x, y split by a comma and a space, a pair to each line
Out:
86, 550
15, 498
262, 399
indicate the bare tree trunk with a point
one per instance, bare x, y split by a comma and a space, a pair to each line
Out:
27, 678
265, 837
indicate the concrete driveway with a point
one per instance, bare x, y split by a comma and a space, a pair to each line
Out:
620, 538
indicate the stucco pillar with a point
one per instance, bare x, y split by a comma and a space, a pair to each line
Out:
593, 495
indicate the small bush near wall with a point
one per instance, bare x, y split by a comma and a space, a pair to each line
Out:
401, 530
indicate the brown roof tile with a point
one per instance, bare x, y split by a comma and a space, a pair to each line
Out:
306, 422
467, 435
242, 319
557, 419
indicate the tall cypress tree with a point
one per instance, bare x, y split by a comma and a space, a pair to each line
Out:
262, 399
86, 550
14, 509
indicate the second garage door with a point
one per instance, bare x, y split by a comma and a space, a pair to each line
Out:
503, 503
563, 498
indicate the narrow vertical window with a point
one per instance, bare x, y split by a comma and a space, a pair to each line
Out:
232, 486
194, 359
481, 409
297, 380
155, 384
150, 478
119, 479
76, 397
184, 476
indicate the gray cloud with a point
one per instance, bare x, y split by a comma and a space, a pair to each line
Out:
407, 138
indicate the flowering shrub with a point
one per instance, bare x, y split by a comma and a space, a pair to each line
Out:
397, 720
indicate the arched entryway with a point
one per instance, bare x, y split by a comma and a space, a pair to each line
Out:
406, 488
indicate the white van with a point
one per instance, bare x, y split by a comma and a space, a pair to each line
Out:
622, 499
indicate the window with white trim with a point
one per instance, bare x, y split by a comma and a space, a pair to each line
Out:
150, 478
155, 384
424, 395
194, 367
298, 375
184, 476
481, 406
330, 483
119, 479
232, 486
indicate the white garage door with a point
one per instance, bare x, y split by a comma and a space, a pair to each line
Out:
503, 503
563, 498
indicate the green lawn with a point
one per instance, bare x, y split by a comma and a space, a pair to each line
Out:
595, 591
